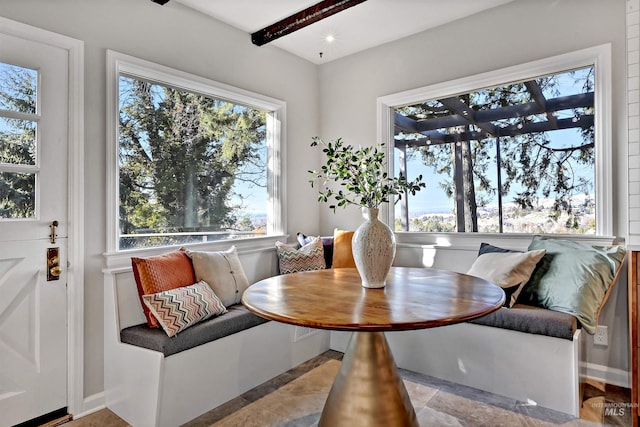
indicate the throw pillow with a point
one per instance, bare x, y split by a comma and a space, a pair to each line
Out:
179, 308
508, 269
327, 246
486, 248
309, 257
342, 253
573, 278
223, 272
161, 273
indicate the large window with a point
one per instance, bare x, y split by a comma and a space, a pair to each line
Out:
18, 144
193, 159
521, 156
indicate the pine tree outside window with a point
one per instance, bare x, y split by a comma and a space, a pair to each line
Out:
192, 160
19, 163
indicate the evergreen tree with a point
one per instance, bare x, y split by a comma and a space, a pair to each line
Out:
17, 140
180, 155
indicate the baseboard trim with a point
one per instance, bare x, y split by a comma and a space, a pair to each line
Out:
614, 376
91, 404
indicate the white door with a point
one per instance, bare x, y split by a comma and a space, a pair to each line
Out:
33, 194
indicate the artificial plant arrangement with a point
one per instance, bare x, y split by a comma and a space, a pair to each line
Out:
362, 175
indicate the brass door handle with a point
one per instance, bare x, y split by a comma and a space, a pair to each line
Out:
55, 271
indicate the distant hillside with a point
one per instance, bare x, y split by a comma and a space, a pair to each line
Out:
515, 219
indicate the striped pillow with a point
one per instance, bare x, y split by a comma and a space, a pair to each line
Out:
307, 258
179, 308
161, 273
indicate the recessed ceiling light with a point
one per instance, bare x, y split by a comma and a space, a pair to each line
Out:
330, 38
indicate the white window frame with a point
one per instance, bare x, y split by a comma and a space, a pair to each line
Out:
598, 56
117, 64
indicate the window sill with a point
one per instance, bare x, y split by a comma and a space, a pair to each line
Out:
115, 260
471, 241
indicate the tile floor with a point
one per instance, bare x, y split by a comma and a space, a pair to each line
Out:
295, 399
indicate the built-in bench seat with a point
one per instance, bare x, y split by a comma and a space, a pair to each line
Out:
524, 352
237, 319
528, 353
532, 320
152, 379
520, 317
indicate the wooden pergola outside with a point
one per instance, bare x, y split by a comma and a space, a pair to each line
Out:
458, 122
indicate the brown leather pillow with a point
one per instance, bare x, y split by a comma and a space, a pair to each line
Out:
342, 254
161, 273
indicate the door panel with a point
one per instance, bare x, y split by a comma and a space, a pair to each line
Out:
33, 311
33, 372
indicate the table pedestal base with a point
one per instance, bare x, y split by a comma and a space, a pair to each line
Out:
368, 390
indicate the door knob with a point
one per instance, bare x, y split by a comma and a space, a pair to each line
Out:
55, 271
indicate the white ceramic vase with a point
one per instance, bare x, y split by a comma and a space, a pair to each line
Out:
374, 247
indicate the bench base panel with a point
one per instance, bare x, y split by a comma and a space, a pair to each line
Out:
146, 389
534, 369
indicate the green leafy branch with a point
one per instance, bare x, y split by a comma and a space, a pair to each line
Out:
361, 174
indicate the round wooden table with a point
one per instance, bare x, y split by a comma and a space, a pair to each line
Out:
368, 389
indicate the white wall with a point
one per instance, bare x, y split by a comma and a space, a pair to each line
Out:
518, 32
175, 36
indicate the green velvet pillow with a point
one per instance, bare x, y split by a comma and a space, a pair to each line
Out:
572, 278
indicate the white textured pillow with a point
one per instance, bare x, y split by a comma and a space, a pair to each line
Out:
509, 270
223, 272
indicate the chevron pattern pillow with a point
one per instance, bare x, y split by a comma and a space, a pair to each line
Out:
161, 273
307, 258
179, 308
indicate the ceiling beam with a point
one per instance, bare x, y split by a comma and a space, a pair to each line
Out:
299, 20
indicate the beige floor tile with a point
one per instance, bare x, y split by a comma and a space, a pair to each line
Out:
296, 398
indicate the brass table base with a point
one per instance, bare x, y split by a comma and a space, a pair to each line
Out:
368, 390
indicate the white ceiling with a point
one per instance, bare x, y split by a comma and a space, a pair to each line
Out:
360, 27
